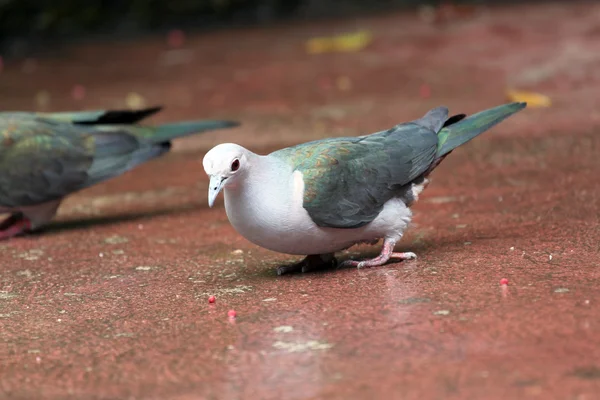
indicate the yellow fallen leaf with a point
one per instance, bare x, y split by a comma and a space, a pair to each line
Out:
135, 100
532, 99
348, 42
318, 45
353, 42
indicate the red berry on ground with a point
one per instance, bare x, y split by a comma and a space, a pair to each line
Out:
504, 281
231, 314
212, 299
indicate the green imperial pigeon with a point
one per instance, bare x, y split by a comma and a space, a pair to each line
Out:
47, 156
327, 195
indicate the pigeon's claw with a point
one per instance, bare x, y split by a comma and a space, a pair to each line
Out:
409, 255
387, 253
14, 225
310, 263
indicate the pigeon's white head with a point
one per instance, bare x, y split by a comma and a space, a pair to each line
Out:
225, 164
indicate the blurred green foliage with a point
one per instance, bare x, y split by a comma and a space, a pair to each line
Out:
58, 18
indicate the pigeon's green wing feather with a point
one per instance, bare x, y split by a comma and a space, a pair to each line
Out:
44, 157
38, 164
347, 181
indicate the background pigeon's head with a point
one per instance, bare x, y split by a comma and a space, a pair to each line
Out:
224, 164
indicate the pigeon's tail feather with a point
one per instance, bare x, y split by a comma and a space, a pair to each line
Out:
168, 132
104, 117
454, 119
460, 131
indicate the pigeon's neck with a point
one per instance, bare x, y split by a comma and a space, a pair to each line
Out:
263, 203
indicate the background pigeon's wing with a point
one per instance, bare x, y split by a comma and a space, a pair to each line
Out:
348, 180
39, 163
44, 159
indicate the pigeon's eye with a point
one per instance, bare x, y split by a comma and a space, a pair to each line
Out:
235, 165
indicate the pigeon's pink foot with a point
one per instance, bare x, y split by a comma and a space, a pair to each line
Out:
386, 254
310, 263
14, 225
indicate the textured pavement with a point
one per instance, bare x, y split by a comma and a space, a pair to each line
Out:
110, 302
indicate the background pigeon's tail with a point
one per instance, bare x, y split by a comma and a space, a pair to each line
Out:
166, 133
455, 134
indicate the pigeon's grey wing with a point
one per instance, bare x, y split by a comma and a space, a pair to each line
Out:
347, 181
39, 163
43, 159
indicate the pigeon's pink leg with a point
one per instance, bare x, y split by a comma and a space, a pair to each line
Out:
14, 225
310, 263
387, 252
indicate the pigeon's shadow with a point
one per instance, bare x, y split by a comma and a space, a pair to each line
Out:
421, 248
87, 223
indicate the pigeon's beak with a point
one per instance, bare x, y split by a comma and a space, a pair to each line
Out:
214, 187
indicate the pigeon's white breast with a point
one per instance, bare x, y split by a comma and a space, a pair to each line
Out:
268, 211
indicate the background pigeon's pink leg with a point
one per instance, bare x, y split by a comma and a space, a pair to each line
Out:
387, 252
14, 225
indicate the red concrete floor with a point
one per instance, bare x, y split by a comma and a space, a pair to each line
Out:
111, 301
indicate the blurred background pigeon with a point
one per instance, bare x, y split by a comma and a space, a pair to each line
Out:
47, 156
